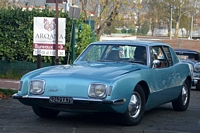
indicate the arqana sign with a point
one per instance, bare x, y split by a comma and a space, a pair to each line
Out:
44, 39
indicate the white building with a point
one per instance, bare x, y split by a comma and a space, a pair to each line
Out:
41, 3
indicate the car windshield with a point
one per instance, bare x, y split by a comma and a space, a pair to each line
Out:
113, 53
188, 56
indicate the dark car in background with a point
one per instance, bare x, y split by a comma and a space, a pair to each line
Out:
192, 57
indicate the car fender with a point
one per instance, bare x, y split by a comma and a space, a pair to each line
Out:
129, 83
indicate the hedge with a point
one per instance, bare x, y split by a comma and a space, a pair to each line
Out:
16, 34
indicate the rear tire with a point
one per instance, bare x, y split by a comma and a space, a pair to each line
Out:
44, 112
136, 107
182, 102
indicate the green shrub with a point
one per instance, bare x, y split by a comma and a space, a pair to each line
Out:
7, 92
16, 34
123, 30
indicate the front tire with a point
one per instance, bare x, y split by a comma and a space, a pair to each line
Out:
182, 102
44, 112
136, 107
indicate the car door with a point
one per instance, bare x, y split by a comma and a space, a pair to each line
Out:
164, 75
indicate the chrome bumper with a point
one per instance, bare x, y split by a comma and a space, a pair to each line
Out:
195, 81
115, 102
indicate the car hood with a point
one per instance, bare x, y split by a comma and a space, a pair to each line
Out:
104, 70
192, 62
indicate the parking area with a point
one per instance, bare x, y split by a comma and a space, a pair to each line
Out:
18, 118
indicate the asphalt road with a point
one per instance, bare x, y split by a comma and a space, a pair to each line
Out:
18, 118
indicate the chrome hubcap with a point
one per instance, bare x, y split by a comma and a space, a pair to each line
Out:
184, 94
134, 106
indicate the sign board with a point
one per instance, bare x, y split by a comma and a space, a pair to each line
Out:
54, 1
74, 12
44, 38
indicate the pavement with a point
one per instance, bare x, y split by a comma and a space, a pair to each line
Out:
182, 123
9, 84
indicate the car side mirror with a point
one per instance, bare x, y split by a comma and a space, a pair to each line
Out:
156, 64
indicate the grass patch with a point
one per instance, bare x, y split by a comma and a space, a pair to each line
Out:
6, 93
11, 74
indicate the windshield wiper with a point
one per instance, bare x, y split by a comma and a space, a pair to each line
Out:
107, 61
135, 61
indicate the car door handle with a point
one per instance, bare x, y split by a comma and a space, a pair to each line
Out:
173, 74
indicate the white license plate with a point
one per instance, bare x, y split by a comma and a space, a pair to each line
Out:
61, 100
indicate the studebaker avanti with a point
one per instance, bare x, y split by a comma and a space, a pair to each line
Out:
124, 77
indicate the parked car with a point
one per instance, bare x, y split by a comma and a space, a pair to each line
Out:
123, 77
192, 57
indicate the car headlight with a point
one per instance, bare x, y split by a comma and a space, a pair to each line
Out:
197, 67
97, 90
196, 75
37, 86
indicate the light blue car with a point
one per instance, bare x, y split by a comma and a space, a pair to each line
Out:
125, 77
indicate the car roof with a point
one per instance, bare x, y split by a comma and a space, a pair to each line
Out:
129, 42
186, 51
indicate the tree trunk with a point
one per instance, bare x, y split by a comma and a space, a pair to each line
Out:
84, 3
108, 22
177, 27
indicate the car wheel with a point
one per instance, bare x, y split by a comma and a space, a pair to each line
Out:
136, 107
198, 86
182, 102
44, 112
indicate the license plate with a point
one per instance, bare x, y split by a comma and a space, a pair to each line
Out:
61, 100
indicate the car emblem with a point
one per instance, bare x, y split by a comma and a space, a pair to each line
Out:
52, 90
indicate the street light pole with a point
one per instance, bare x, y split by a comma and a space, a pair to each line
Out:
171, 23
74, 13
65, 5
57, 59
191, 27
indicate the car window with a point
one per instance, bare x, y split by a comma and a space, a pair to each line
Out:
113, 52
161, 53
93, 53
168, 55
127, 52
188, 56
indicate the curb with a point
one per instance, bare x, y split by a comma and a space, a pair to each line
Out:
9, 84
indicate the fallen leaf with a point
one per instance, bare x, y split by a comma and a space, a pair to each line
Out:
2, 96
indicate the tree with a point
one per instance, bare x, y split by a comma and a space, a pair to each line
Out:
145, 28
131, 31
154, 13
4, 3
161, 11
185, 23
123, 30
107, 12
182, 7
